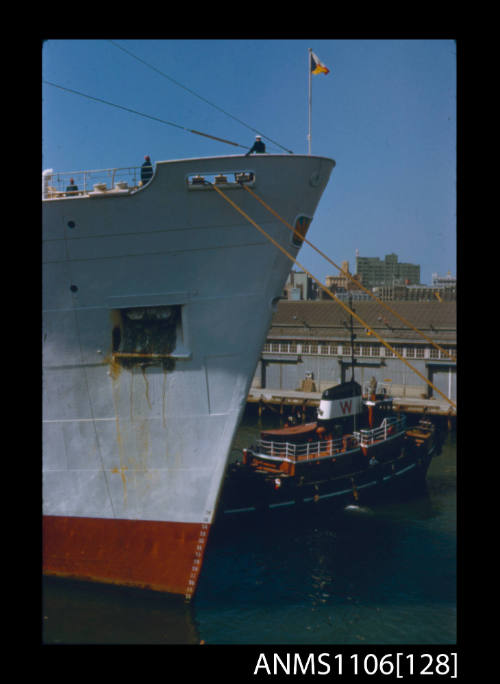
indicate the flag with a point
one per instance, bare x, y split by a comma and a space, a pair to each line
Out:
318, 67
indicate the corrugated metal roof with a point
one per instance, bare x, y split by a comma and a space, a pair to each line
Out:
328, 319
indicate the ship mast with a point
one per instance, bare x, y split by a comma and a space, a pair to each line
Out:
353, 360
353, 337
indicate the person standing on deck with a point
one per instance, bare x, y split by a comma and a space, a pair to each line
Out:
71, 189
258, 146
146, 170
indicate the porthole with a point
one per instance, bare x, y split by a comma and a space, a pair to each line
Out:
301, 227
315, 179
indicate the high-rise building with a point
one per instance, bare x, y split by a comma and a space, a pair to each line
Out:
300, 286
342, 281
374, 271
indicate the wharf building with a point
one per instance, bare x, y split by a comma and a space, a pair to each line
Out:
308, 347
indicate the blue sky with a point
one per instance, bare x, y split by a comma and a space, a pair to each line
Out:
386, 113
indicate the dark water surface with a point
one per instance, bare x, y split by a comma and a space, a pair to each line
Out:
379, 575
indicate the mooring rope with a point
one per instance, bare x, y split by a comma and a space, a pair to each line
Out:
348, 275
329, 293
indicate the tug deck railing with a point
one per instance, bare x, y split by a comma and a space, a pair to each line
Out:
292, 453
388, 427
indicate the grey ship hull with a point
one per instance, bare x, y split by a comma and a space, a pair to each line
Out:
156, 306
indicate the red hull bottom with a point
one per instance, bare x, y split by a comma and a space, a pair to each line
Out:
162, 556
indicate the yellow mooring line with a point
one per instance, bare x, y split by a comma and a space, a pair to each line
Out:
348, 275
330, 294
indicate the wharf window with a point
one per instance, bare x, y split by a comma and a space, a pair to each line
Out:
399, 349
410, 352
267, 347
376, 350
275, 347
293, 347
420, 352
334, 350
314, 348
364, 350
306, 348
434, 353
450, 350
346, 350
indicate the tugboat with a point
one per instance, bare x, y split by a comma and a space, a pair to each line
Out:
356, 449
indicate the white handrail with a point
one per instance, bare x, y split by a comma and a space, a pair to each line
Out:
367, 437
56, 184
287, 451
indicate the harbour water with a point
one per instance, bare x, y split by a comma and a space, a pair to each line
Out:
384, 574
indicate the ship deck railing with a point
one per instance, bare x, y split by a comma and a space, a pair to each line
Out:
389, 427
55, 184
126, 179
293, 453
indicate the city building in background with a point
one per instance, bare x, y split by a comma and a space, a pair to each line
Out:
344, 286
344, 281
374, 271
388, 280
300, 286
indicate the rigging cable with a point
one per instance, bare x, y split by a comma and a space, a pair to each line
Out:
147, 116
150, 66
330, 294
345, 273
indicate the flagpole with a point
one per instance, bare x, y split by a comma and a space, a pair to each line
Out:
310, 102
